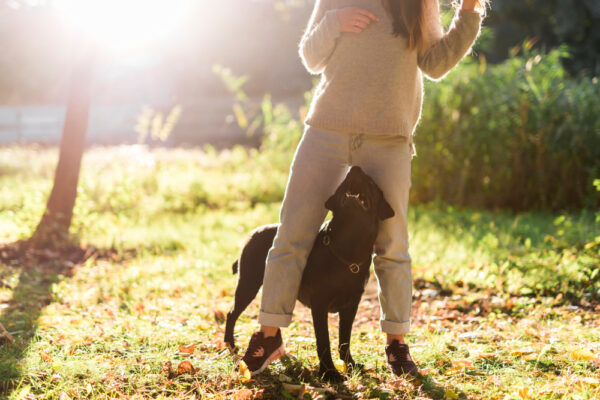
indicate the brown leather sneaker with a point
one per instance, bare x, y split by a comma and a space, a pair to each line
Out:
399, 360
262, 351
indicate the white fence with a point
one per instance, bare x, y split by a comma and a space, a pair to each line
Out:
204, 121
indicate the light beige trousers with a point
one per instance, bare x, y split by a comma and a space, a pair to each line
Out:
320, 164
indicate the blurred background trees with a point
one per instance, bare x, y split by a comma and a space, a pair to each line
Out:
260, 41
514, 126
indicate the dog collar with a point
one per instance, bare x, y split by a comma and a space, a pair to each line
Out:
352, 266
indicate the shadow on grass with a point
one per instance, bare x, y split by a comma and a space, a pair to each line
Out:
375, 384
38, 271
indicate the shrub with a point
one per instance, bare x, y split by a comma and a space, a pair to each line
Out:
518, 135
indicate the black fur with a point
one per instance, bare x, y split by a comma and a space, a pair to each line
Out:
328, 283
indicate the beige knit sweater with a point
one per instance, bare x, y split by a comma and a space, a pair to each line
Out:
371, 83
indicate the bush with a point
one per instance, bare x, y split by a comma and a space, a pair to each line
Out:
518, 135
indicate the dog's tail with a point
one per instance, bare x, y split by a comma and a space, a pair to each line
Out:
234, 267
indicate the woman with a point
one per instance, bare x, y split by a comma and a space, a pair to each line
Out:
371, 55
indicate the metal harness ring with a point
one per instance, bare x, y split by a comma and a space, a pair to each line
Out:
354, 268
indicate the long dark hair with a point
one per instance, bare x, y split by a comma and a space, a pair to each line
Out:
408, 16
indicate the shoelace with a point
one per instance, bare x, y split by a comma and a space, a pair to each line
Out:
399, 353
254, 348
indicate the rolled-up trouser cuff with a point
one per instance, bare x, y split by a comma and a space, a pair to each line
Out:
280, 320
395, 328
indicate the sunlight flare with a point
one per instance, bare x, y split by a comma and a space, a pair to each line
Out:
123, 25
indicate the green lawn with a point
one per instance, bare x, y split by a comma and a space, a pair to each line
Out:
506, 306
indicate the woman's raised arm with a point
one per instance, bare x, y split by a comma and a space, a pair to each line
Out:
442, 51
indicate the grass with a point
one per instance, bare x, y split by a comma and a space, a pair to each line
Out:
505, 305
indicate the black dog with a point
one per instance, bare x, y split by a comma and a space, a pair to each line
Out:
337, 269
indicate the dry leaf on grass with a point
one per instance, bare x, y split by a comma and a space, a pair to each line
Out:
463, 364
186, 351
185, 367
244, 371
583, 355
525, 393
46, 357
449, 394
219, 316
523, 351
243, 394
530, 357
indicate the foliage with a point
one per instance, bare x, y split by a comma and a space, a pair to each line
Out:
518, 135
575, 24
281, 129
503, 307
153, 125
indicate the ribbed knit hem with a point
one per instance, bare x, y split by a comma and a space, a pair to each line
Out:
344, 125
395, 328
279, 320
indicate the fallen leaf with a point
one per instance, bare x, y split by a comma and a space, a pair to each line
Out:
530, 357
185, 367
449, 394
243, 394
582, 355
525, 393
139, 308
466, 364
219, 316
186, 351
244, 371
46, 357
522, 351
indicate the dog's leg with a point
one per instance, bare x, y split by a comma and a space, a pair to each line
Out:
245, 292
326, 367
347, 316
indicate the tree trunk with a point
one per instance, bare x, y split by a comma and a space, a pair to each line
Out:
55, 223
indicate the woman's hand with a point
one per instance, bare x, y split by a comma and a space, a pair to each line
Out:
472, 5
354, 19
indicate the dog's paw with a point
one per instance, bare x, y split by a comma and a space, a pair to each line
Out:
233, 349
332, 376
352, 367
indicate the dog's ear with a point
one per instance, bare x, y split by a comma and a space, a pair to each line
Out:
385, 211
331, 202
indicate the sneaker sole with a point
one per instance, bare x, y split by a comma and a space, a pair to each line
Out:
276, 355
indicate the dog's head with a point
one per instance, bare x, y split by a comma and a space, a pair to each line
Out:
359, 199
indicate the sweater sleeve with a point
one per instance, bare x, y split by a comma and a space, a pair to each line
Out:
443, 51
319, 39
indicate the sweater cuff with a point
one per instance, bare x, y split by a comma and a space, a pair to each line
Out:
331, 22
468, 22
